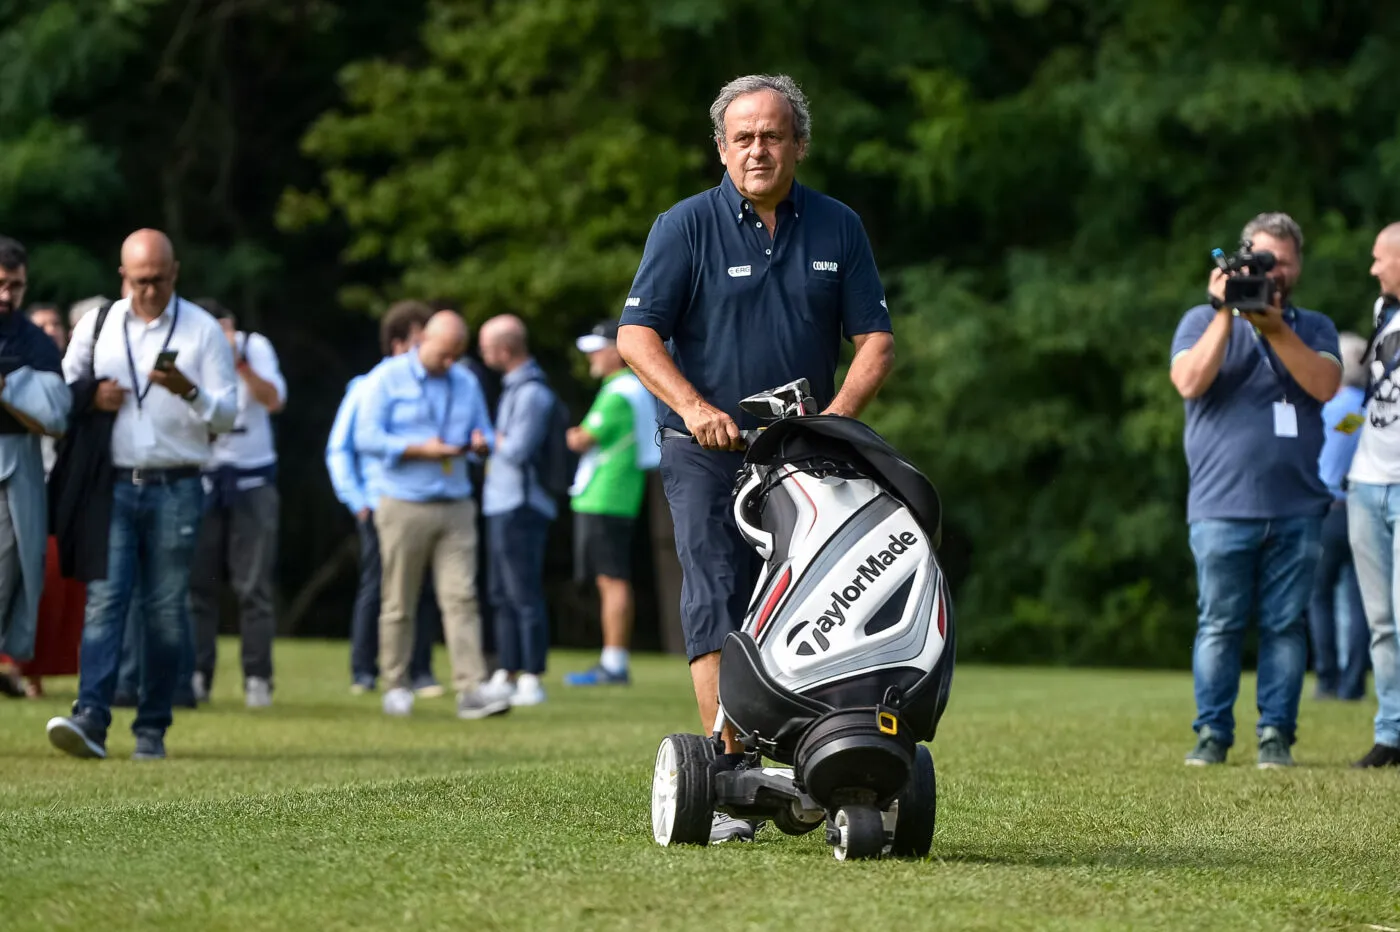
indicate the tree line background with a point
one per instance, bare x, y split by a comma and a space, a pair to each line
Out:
1042, 183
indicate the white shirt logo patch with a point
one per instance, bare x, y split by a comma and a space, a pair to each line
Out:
820, 266
633, 302
740, 271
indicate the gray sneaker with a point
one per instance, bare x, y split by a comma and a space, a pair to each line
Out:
150, 745
1209, 749
78, 735
727, 828
480, 703
257, 692
199, 685
1273, 749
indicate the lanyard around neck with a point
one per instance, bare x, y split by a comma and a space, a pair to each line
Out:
446, 418
141, 393
1262, 345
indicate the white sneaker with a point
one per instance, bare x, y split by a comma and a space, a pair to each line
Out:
528, 690
497, 688
398, 702
257, 693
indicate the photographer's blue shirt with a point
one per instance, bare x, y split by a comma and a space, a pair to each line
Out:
1239, 468
742, 312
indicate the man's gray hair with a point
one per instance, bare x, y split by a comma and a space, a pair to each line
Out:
753, 83
81, 309
1277, 225
1354, 370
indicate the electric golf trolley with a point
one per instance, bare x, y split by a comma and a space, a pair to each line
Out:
845, 658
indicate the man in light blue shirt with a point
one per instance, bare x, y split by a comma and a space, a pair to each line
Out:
519, 510
419, 415
1341, 640
354, 479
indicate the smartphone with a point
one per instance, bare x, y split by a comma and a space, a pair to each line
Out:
165, 361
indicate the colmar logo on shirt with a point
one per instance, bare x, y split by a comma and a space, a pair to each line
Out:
633, 302
820, 265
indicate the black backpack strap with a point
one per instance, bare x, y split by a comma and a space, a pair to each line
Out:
97, 333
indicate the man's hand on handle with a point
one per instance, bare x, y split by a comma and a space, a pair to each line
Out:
712, 428
1270, 321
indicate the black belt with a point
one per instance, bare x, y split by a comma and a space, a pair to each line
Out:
157, 476
670, 433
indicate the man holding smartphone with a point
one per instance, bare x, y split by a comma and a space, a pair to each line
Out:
420, 414
162, 366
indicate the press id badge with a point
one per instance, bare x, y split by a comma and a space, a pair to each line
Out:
143, 433
1285, 419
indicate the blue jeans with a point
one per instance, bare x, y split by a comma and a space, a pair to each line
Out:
1336, 618
129, 673
152, 538
1372, 514
1244, 568
515, 586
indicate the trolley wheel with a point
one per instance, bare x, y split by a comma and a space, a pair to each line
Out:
789, 822
918, 809
860, 833
682, 796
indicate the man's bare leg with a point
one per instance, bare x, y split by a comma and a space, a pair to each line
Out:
615, 596
704, 674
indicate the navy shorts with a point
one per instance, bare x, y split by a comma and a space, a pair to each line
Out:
602, 546
718, 567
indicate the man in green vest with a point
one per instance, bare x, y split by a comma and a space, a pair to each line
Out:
617, 444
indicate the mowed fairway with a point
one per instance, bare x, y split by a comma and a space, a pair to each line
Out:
1063, 803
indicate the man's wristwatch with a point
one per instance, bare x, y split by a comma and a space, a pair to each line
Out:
192, 394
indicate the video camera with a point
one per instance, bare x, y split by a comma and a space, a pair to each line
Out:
1248, 286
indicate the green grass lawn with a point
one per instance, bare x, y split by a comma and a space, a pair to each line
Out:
1063, 804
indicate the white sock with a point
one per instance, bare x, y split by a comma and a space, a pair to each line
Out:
614, 659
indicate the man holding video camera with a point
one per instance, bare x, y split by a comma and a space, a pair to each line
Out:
1254, 371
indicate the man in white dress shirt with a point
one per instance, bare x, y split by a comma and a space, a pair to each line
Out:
238, 534
165, 369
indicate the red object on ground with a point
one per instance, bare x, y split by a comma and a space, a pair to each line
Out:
60, 632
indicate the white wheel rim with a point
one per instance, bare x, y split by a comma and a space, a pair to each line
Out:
664, 780
843, 826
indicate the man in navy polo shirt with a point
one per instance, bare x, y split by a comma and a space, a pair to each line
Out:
752, 283
1254, 385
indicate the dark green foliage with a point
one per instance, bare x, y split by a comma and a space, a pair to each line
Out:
1042, 182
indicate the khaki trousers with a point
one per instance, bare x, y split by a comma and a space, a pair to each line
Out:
410, 535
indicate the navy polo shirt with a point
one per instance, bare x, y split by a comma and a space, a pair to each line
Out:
742, 312
1238, 467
